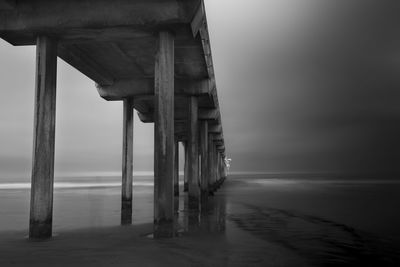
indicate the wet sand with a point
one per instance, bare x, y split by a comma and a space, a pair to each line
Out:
247, 223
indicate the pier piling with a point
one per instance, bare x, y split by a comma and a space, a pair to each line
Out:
205, 172
176, 169
164, 136
193, 162
127, 162
41, 209
186, 168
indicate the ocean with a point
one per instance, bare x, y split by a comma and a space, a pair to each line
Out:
282, 220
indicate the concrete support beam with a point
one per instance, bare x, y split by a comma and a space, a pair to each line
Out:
203, 114
216, 169
215, 166
127, 162
164, 136
204, 157
209, 114
85, 64
193, 143
218, 137
41, 209
176, 168
186, 168
210, 163
215, 129
221, 148
218, 166
142, 87
199, 25
180, 128
223, 167
57, 18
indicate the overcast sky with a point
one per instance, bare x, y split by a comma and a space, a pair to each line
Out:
304, 85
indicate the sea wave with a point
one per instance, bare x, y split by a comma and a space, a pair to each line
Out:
67, 185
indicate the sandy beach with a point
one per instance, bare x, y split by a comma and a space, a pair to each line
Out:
253, 222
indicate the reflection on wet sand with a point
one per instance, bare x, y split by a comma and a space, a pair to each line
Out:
126, 213
321, 241
210, 218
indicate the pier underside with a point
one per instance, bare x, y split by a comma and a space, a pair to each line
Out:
155, 56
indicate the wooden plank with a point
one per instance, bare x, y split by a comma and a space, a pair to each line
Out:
41, 209
127, 162
193, 179
164, 137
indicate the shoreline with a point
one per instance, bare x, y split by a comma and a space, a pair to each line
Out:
245, 224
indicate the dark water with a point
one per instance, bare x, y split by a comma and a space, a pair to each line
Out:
314, 222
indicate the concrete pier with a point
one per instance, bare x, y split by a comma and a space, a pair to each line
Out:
205, 173
155, 57
164, 144
211, 154
193, 152
41, 211
127, 162
176, 169
186, 168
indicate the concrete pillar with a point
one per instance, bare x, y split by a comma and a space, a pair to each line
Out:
193, 141
225, 169
218, 167
41, 209
214, 167
127, 162
216, 178
186, 168
210, 163
176, 169
221, 166
204, 157
164, 136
